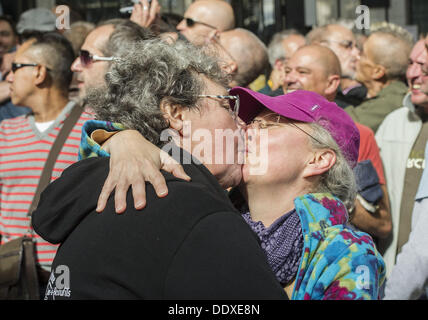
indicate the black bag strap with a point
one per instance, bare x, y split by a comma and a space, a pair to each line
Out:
31, 280
63, 134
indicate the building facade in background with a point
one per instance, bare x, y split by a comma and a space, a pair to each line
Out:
264, 17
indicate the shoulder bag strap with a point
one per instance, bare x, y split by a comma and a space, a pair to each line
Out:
46, 175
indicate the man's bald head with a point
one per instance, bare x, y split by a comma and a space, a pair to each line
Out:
390, 51
314, 68
248, 52
211, 14
217, 13
323, 56
384, 57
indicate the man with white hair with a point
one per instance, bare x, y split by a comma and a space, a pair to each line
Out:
280, 49
342, 42
381, 68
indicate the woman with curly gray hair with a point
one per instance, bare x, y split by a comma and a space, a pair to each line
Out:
298, 204
181, 248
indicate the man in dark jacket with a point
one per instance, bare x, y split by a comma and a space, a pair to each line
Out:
191, 244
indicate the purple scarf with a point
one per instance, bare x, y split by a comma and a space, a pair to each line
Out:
282, 243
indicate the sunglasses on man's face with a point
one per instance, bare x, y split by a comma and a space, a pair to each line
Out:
86, 58
190, 23
17, 66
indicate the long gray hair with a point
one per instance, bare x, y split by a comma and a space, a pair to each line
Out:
149, 71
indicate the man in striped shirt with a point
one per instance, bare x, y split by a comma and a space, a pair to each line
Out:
39, 79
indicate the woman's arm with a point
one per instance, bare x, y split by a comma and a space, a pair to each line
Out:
133, 161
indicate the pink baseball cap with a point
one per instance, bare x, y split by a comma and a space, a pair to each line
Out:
305, 106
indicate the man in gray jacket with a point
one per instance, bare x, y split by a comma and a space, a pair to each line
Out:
402, 137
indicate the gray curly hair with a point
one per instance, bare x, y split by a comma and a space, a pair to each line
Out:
148, 72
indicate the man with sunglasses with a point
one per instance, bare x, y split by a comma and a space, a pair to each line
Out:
99, 50
40, 78
204, 16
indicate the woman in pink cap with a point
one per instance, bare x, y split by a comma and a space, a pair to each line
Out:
298, 202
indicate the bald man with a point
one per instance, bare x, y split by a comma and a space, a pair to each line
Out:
381, 68
316, 68
283, 45
204, 16
343, 43
242, 55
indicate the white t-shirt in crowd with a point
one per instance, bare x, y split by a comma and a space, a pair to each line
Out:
42, 126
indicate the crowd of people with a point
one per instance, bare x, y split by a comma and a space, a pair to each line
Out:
203, 164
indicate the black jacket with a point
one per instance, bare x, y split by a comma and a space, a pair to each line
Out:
354, 97
191, 244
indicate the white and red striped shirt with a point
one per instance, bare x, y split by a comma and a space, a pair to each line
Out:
23, 153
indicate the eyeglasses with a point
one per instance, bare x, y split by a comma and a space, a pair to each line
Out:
263, 124
233, 109
190, 23
86, 58
16, 66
